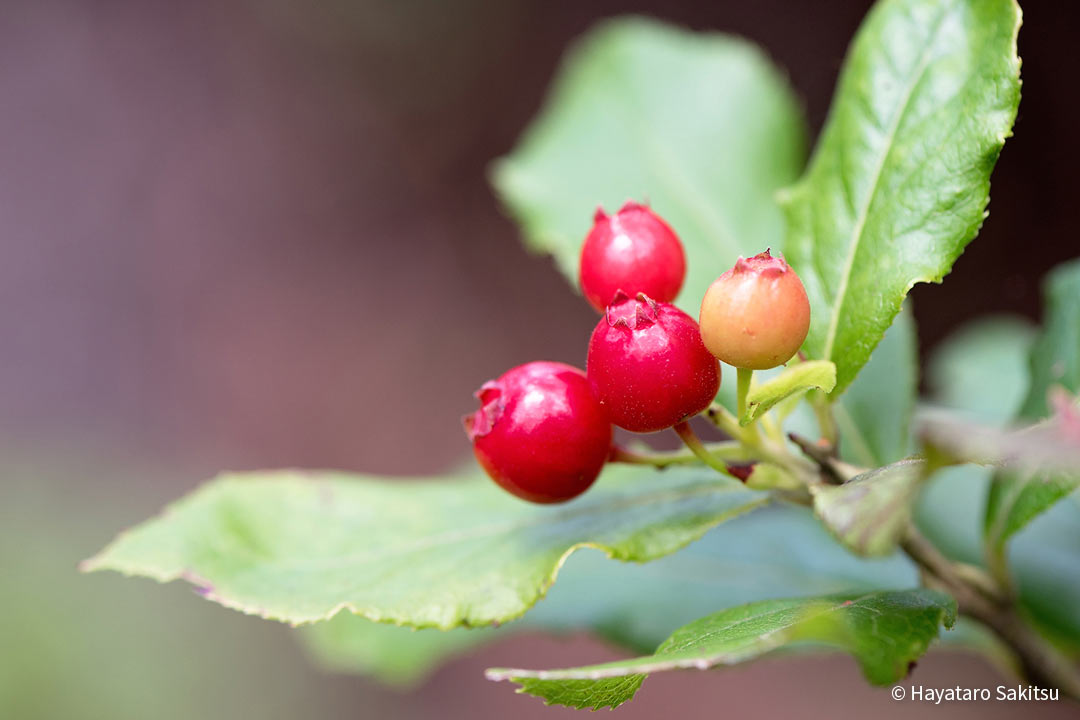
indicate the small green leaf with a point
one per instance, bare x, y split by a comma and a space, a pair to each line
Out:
701, 125
899, 181
870, 513
885, 631
800, 378
1055, 358
300, 546
1017, 498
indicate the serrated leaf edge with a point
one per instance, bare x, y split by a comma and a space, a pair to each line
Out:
205, 588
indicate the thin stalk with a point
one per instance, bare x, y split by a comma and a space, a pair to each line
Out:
744, 376
692, 441
1041, 662
725, 450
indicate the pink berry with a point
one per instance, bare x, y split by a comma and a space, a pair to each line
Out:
756, 315
633, 251
649, 365
541, 432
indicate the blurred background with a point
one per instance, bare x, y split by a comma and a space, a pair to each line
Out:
257, 233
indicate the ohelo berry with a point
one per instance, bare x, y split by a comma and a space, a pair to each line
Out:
649, 365
541, 432
756, 315
633, 251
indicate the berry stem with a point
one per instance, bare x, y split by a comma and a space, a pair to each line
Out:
1040, 661
724, 451
744, 377
760, 447
692, 441
978, 595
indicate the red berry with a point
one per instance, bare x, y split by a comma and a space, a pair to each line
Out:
633, 251
756, 315
541, 432
649, 365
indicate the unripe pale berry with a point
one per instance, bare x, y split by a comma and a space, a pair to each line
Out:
649, 365
541, 432
756, 315
633, 250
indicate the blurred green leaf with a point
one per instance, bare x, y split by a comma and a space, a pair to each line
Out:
300, 546
1018, 497
885, 631
777, 551
1045, 557
794, 380
979, 369
700, 125
874, 415
899, 181
1015, 499
870, 512
1055, 357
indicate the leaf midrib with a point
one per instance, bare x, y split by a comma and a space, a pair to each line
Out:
459, 536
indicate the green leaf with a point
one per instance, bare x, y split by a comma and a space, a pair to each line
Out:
777, 551
874, 415
1046, 569
1055, 358
885, 631
1017, 498
899, 181
980, 369
794, 380
870, 512
300, 546
701, 125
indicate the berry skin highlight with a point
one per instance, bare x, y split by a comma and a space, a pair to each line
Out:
633, 250
540, 432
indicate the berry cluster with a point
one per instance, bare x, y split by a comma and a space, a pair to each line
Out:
544, 429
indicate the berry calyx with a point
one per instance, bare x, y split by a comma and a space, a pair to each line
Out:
756, 315
540, 432
649, 365
633, 250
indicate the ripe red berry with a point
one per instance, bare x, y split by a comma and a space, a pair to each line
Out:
541, 432
633, 251
756, 315
649, 365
